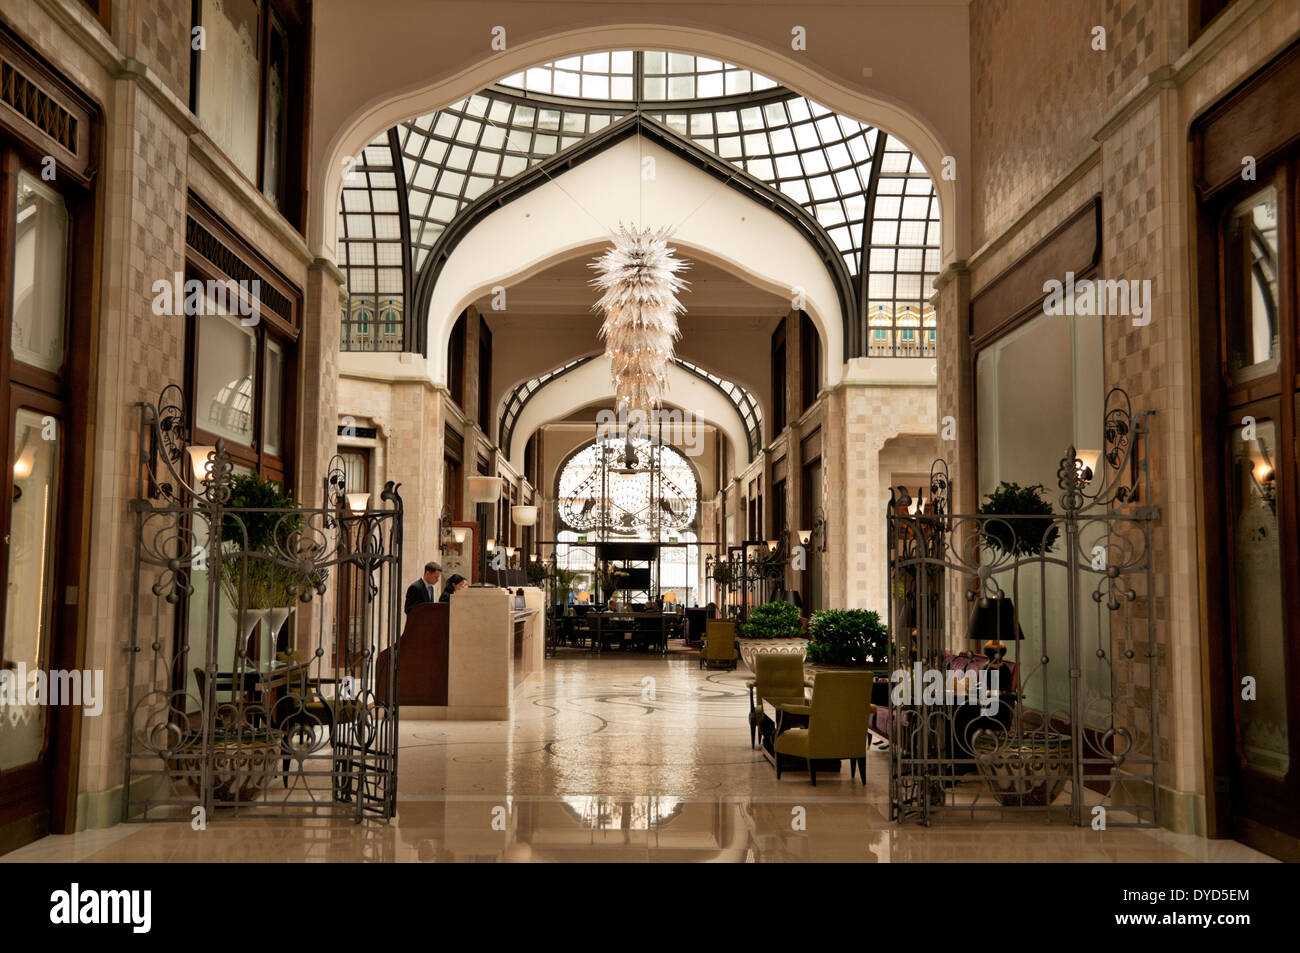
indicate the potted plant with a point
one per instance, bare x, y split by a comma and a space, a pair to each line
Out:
251, 542
610, 579
772, 627
1017, 526
564, 580
722, 573
848, 637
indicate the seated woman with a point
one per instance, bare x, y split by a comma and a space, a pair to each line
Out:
456, 583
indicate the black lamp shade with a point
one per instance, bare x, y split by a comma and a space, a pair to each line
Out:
994, 620
791, 596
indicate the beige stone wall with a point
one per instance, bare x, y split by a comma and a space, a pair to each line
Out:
861, 419
154, 153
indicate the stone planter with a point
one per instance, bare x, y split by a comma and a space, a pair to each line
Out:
752, 647
242, 764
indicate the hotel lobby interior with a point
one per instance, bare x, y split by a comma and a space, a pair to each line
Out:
627, 432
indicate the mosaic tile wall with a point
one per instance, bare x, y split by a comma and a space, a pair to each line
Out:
1139, 166
149, 164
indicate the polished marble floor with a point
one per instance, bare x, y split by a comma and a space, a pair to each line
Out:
621, 759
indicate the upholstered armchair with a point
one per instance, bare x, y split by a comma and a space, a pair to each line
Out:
837, 723
778, 677
719, 644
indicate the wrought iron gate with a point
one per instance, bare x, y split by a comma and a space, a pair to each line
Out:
262, 649
1072, 726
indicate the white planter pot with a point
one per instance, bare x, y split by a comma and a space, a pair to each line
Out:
752, 647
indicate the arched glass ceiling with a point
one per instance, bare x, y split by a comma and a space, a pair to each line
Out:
834, 167
747, 408
663, 76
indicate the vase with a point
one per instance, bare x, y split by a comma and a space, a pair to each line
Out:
749, 648
276, 617
250, 618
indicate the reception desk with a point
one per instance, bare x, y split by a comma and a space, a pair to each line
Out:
492, 650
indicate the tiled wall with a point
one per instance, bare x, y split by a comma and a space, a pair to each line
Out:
153, 156
1043, 137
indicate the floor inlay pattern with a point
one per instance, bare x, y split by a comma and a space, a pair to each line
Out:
621, 759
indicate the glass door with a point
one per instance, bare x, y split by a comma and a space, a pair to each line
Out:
35, 255
1257, 498
28, 625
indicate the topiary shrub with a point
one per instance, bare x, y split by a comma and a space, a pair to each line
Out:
847, 637
773, 620
1018, 537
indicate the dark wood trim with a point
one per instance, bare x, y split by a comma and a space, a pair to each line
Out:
1256, 119
810, 448
284, 306
1016, 294
1254, 115
76, 152
69, 395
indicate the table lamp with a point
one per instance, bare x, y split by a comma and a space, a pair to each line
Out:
993, 624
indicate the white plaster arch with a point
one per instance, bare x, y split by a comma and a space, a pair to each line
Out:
590, 382
903, 120
576, 210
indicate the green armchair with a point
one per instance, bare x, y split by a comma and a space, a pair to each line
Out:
838, 717
777, 678
719, 644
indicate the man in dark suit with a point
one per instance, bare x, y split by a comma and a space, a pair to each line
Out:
424, 589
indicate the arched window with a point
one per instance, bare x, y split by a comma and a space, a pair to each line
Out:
638, 490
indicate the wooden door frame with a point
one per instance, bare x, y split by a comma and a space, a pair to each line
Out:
1253, 119
76, 468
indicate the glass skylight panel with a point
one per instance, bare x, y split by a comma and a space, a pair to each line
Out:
818, 159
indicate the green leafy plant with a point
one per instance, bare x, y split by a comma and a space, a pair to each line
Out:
610, 581
1011, 531
773, 620
564, 580
722, 573
847, 637
268, 534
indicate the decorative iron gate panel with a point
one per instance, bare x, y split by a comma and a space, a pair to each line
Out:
263, 639
1072, 724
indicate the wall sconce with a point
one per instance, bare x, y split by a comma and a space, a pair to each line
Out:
1086, 465
532, 557
491, 544
804, 536
524, 515
358, 502
200, 463
458, 533
510, 552
771, 545
23, 465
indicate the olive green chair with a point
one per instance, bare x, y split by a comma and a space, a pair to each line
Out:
719, 647
838, 717
778, 677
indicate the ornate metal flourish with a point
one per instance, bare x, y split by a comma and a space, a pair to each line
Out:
273, 694
1073, 724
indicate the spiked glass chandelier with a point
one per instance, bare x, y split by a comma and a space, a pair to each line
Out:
638, 280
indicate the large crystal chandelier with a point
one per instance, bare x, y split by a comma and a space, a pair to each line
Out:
639, 281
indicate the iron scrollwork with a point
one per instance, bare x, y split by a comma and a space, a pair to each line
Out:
1070, 725
262, 641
